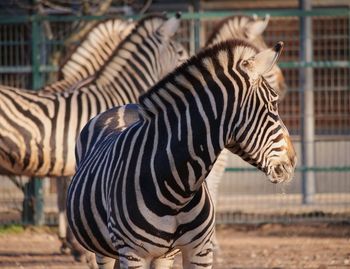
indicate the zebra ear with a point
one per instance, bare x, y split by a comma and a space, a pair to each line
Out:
257, 27
170, 26
262, 62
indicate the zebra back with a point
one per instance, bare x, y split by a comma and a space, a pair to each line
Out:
250, 29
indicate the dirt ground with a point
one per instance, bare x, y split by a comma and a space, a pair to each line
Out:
241, 247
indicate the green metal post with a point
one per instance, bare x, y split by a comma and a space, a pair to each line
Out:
197, 25
33, 207
36, 82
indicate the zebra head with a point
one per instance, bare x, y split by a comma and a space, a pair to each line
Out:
259, 135
240, 27
171, 53
249, 29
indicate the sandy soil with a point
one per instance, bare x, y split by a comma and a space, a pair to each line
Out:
241, 247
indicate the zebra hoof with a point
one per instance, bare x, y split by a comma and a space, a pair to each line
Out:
88, 258
65, 248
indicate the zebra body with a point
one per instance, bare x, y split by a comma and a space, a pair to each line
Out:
145, 183
38, 129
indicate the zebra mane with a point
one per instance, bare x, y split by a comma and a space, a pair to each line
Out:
219, 26
146, 25
210, 52
236, 26
109, 32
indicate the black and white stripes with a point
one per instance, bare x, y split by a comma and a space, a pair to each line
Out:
38, 129
145, 183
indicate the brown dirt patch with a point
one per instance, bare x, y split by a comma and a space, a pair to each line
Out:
241, 247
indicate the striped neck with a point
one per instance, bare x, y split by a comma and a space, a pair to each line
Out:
197, 106
133, 51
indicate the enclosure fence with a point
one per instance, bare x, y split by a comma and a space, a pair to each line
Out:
28, 59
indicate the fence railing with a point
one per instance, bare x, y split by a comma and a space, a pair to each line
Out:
25, 61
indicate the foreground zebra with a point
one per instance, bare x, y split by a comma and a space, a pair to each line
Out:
145, 183
242, 27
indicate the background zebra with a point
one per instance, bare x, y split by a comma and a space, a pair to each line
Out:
145, 183
87, 58
95, 49
33, 125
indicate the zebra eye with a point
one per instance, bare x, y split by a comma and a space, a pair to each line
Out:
274, 104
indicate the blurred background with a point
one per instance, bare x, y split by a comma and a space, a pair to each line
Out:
35, 36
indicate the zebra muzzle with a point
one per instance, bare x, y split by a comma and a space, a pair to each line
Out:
281, 172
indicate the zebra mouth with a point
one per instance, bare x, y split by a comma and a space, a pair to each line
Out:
281, 173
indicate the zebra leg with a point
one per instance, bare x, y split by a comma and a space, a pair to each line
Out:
199, 258
104, 262
161, 263
129, 259
62, 224
69, 243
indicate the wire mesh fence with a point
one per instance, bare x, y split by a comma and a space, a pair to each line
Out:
245, 195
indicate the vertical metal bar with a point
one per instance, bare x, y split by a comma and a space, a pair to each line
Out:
36, 79
307, 105
197, 25
192, 33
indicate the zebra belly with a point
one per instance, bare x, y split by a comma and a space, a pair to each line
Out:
87, 216
186, 230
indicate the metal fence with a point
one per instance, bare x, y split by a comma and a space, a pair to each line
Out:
245, 195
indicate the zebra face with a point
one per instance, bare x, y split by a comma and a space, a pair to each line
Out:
171, 53
260, 137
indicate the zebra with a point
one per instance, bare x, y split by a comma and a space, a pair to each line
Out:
93, 51
117, 29
145, 182
246, 28
34, 124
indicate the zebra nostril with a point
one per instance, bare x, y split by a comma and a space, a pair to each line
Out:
279, 170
